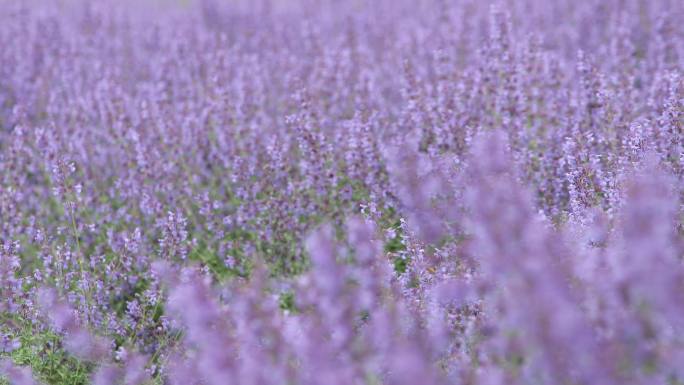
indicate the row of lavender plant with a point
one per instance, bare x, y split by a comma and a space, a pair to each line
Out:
307, 192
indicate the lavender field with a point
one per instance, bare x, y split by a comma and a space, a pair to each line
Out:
342, 192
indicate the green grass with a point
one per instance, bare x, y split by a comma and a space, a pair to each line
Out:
43, 353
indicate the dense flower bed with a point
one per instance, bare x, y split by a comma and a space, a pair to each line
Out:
342, 192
